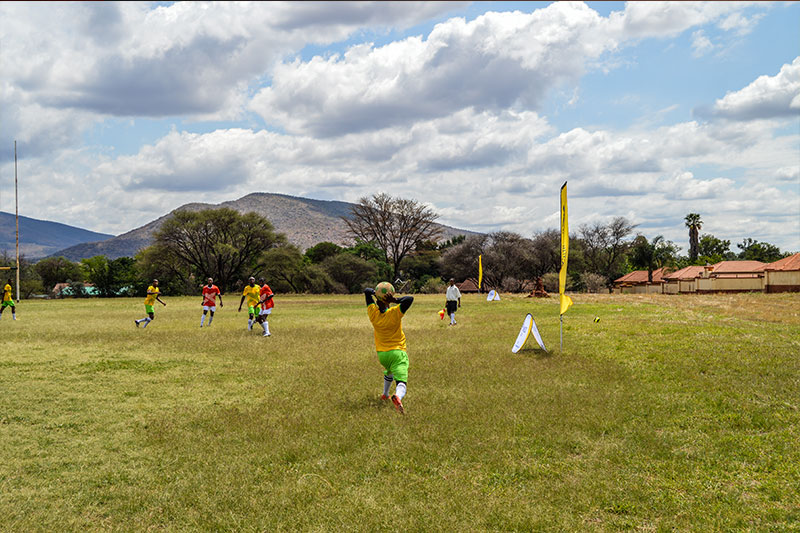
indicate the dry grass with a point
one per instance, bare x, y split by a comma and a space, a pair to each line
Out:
669, 413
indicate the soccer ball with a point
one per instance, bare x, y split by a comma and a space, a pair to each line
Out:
597, 319
384, 290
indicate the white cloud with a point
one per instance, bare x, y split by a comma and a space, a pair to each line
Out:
497, 61
665, 19
72, 64
701, 44
766, 97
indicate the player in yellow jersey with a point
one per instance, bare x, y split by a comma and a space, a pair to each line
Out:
8, 301
253, 294
152, 296
390, 341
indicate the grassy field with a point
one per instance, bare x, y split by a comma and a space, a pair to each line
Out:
670, 413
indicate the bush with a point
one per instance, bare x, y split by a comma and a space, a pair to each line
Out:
433, 286
550, 281
593, 282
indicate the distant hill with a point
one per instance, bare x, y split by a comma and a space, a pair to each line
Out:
304, 221
40, 238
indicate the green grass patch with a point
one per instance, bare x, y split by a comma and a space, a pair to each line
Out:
670, 413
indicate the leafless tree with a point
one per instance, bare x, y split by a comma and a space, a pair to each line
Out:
396, 225
604, 247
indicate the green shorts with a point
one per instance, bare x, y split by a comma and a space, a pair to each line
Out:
252, 309
8, 303
148, 308
396, 363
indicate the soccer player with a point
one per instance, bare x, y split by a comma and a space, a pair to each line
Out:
8, 301
210, 293
453, 298
266, 306
252, 293
390, 342
153, 294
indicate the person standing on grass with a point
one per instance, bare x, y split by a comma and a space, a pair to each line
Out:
210, 293
252, 293
453, 302
267, 304
8, 301
390, 342
152, 295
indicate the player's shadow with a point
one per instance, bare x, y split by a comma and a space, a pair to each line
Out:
365, 402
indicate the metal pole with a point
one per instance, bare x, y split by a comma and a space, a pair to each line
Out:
561, 332
16, 204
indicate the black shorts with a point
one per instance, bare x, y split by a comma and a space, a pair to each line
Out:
452, 305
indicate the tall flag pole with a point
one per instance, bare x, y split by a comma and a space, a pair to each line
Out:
16, 205
480, 272
564, 300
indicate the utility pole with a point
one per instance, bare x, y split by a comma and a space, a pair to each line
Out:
16, 205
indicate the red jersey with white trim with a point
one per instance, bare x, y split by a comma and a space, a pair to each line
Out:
210, 295
266, 291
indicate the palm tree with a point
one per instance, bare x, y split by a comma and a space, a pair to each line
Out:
694, 224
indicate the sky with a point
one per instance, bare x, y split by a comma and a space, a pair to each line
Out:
480, 110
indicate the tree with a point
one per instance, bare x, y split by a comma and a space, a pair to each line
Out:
370, 251
694, 224
109, 277
351, 271
218, 243
461, 261
321, 251
55, 270
604, 247
395, 224
752, 250
652, 255
713, 250
284, 264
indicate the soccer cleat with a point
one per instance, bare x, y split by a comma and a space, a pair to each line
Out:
384, 397
398, 404
136, 322
266, 335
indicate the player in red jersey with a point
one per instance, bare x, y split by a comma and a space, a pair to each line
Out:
266, 306
210, 293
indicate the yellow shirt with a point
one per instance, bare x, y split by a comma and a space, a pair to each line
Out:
388, 328
253, 295
151, 298
7, 293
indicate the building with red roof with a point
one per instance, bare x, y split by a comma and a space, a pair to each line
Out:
683, 280
732, 276
636, 282
783, 275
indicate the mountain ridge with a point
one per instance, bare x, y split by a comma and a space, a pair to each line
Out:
304, 221
41, 238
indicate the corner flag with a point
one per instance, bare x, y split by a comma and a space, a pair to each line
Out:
480, 271
565, 300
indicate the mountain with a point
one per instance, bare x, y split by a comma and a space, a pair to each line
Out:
40, 238
304, 221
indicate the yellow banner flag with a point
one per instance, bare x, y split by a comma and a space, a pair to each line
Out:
565, 300
480, 272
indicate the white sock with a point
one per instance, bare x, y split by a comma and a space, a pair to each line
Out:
202, 319
147, 321
249, 324
387, 383
266, 327
452, 318
400, 391
210, 318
